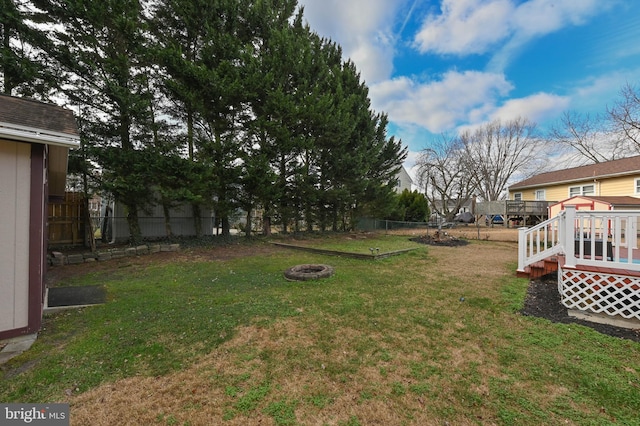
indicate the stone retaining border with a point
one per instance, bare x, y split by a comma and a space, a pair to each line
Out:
346, 254
57, 258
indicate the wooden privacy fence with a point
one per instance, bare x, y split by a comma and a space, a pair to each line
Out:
66, 220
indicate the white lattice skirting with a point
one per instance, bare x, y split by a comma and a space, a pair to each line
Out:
615, 295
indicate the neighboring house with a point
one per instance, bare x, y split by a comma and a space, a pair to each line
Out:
532, 197
452, 209
34, 143
590, 239
611, 178
403, 181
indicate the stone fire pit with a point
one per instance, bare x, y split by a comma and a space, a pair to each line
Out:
308, 272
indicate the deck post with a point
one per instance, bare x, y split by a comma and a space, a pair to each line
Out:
568, 235
522, 248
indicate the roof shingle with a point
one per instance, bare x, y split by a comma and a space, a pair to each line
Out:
630, 165
37, 115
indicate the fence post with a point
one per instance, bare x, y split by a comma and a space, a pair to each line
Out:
568, 233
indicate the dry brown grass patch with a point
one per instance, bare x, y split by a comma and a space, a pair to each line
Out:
257, 355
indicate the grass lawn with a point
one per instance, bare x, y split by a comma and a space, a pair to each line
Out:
428, 337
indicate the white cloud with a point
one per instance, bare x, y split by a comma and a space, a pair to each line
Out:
535, 108
537, 18
362, 27
439, 105
467, 27
540, 17
600, 92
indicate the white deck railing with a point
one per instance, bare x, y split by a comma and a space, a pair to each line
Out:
606, 238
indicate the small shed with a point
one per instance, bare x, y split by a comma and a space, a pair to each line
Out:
35, 138
583, 202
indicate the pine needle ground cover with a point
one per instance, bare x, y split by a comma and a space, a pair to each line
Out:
429, 337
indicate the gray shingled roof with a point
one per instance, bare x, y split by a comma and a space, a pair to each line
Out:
623, 166
37, 115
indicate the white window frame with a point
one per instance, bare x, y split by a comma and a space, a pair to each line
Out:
637, 185
540, 195
517, 196
574, 191
581, 190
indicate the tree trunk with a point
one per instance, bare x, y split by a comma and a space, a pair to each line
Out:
266, 225
167, 220
197, 219
226, 228
283, 184
135, 233
247, 230
88, 229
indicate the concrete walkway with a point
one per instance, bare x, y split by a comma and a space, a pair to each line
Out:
15, 346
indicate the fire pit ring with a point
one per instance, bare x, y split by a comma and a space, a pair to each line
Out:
308, 272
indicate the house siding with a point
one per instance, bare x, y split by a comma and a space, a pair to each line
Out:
552, 193
404, 181
15, 184
557, 193
616, 186
619, 186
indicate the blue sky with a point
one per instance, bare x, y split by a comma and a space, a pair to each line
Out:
436, 67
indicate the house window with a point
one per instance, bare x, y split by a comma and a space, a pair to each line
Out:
540, 195
637, 186
589, 189
582, 190
518, 196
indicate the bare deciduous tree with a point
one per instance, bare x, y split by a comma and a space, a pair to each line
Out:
625, 115
583, 138
495, 152
445, 177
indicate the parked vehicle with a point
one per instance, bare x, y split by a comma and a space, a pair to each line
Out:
465, 217
496, 219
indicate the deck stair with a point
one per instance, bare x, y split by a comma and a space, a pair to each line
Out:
539, 269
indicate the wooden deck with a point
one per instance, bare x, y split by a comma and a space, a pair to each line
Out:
596, 255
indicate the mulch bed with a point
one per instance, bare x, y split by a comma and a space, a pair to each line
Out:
444, 240
543, 301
